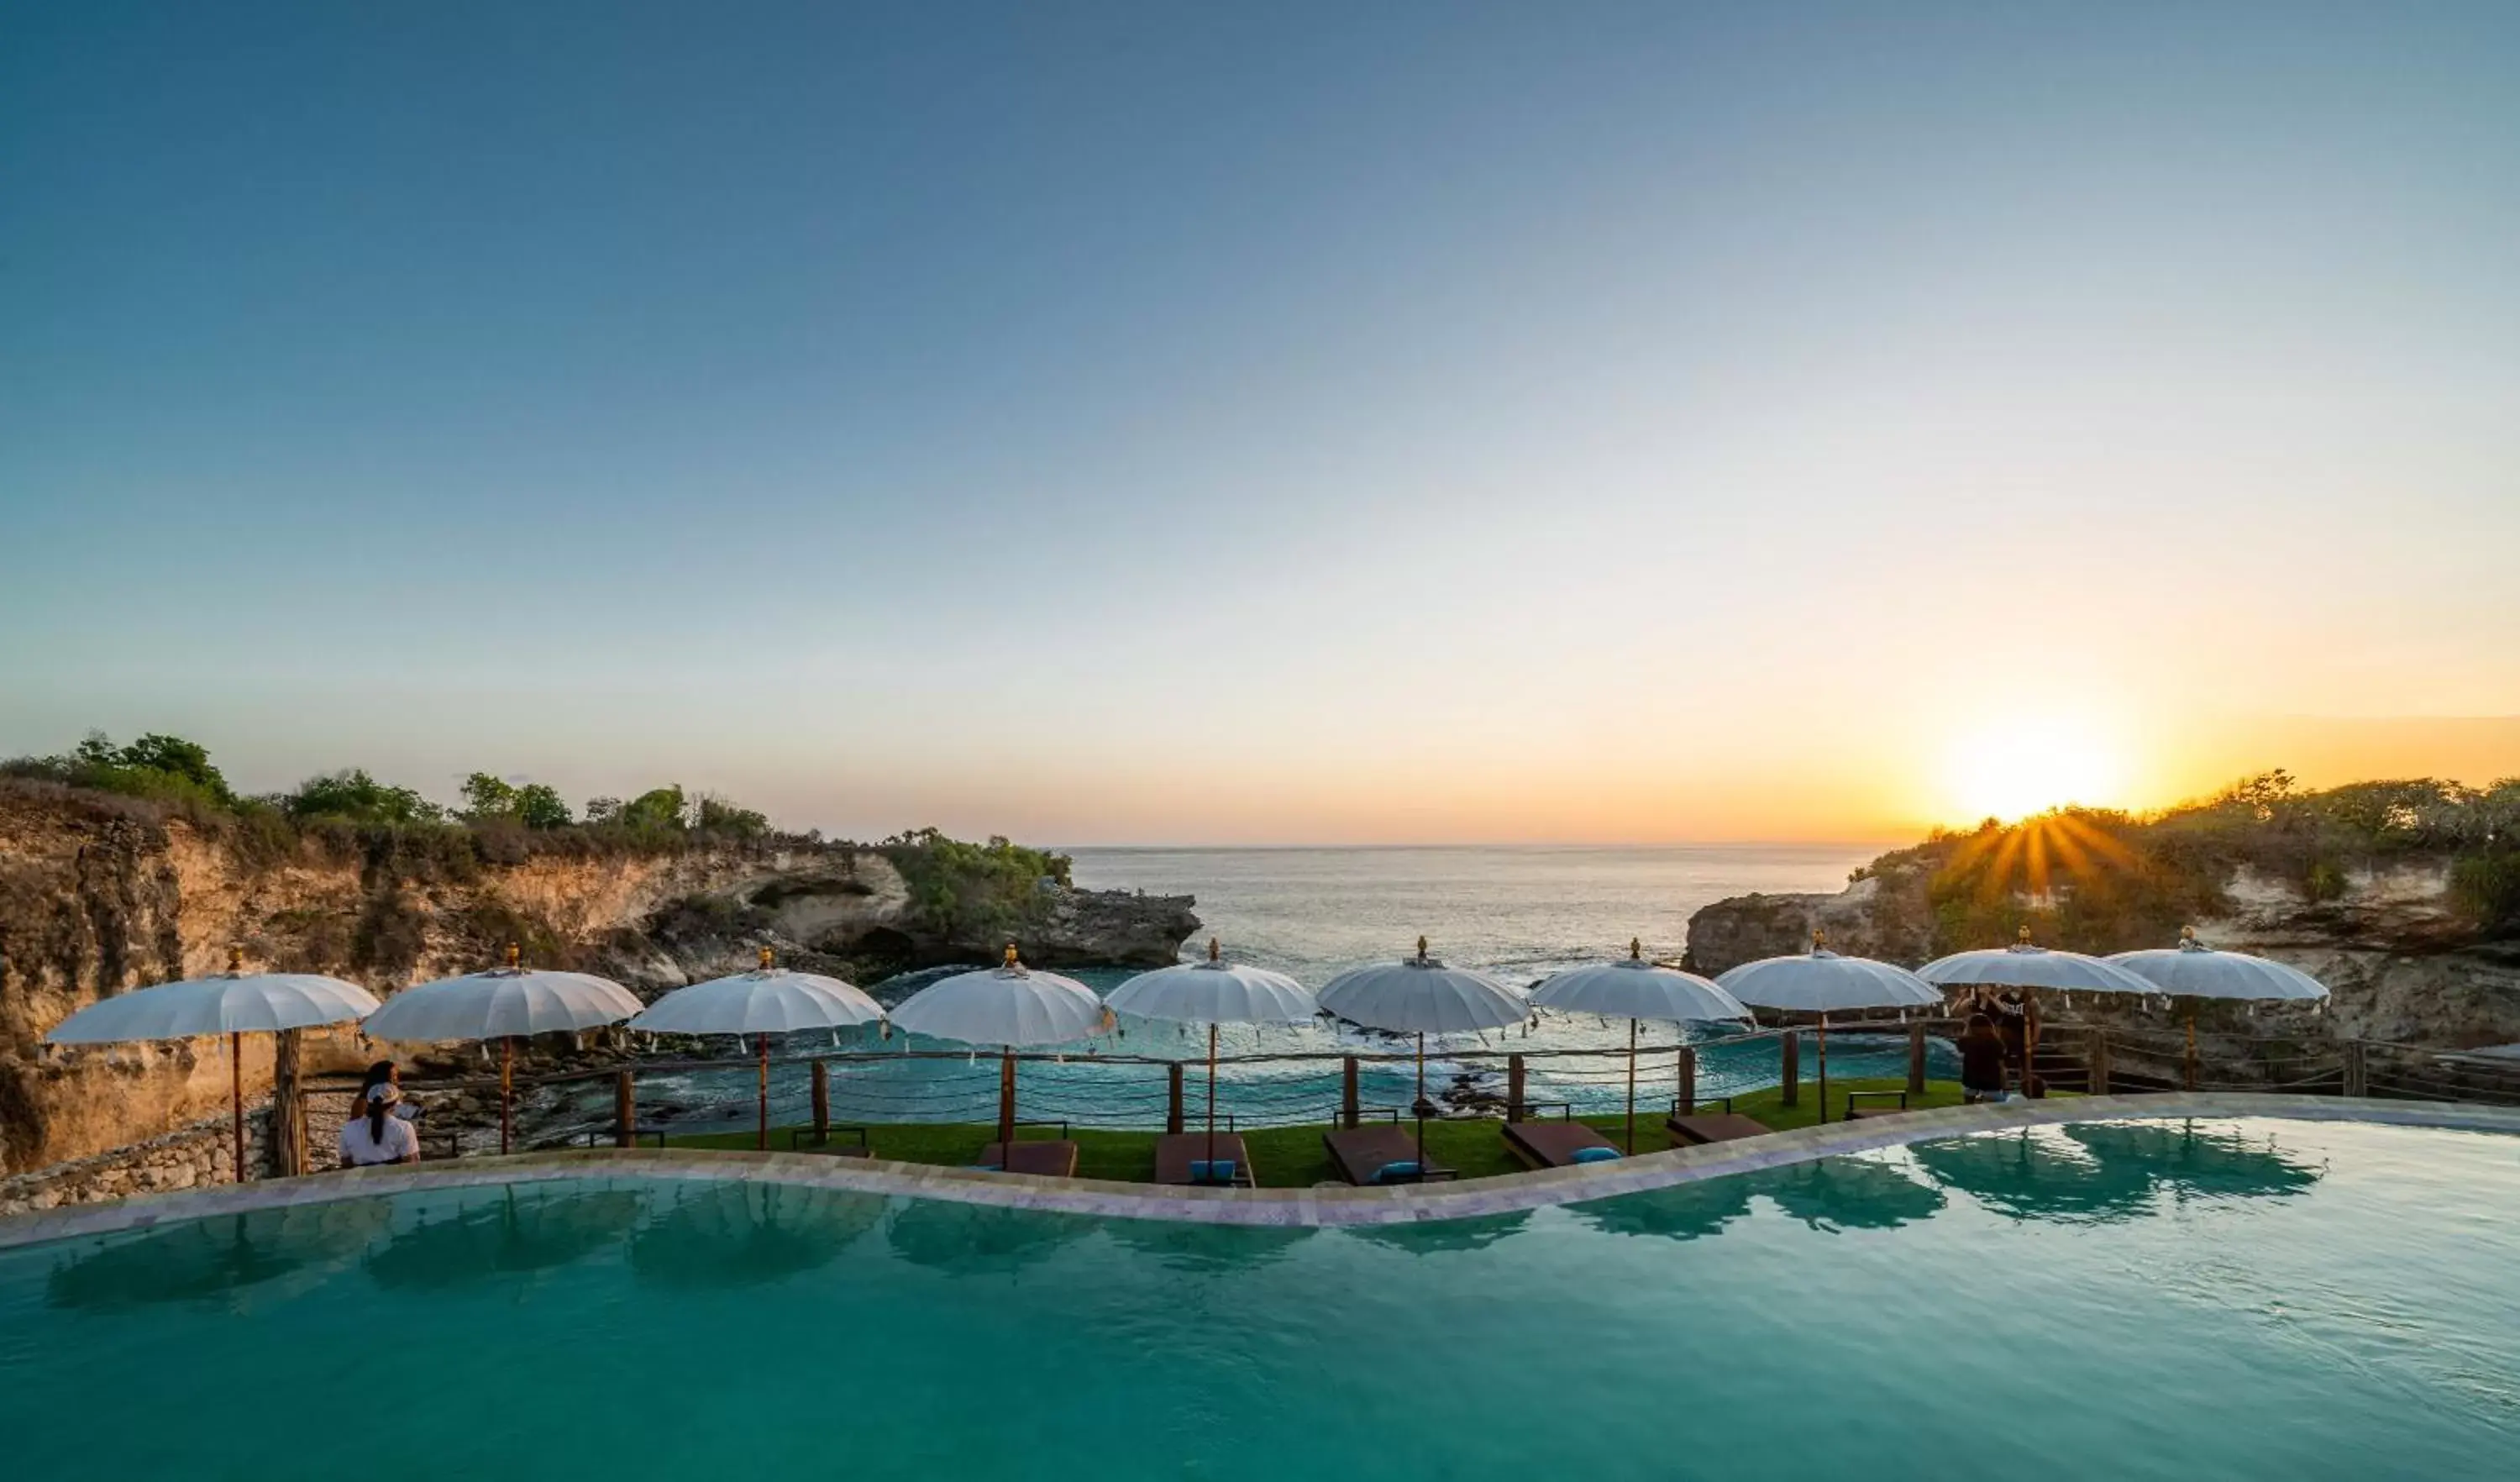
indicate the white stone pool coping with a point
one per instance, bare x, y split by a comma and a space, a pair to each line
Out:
1399, 1204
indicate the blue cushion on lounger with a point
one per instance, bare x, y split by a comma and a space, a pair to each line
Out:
1594, 1155
1396, 1173
1221, 1171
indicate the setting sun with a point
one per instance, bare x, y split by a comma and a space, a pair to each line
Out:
2014, 767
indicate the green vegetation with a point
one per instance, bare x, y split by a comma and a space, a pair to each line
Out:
1293, 1157
2100, 880
535, 805
960, 891
350, 808
167, 768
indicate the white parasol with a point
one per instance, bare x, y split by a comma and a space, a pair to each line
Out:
1631, 989
1822, 982
502, 1004
234, 1003
1212, 993
767, 1001
1004, 1006
1421, 995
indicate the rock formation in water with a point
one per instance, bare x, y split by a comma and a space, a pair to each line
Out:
2401, 902
100, 894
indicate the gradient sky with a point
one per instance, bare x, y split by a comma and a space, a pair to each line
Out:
1172, 422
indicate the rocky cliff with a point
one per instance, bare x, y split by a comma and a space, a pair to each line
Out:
101, 894
2403, 955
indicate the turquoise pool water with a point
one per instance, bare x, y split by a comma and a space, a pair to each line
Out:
2245, 1298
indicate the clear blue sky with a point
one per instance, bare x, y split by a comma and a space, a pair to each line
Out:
1150, 423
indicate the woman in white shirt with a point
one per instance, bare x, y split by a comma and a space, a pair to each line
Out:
379, 1137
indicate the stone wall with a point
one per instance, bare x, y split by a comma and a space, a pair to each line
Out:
192, 1157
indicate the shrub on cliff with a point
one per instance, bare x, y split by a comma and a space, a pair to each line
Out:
535, 805
352, 796
165, 768
960, 890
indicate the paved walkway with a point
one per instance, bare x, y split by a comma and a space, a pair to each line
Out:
1240, 1206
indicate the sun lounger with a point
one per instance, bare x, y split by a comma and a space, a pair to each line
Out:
1178, 1154
1362, 1154
1726, 1125
1557, 1145
801, 1140
1053, 1157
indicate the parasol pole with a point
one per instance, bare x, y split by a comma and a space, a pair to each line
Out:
1420, 1108
1632, 1088
1823, 1065
764, 1141
1211, 1100
508, 1064
1007, 1085
235, 1098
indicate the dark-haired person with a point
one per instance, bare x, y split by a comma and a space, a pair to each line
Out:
376, 1135
1982, 1061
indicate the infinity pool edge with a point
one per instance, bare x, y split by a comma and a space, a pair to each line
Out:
1109, 1199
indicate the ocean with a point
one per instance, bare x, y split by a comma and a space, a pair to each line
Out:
1518, 914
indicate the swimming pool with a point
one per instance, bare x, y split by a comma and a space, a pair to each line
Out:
2231, 1298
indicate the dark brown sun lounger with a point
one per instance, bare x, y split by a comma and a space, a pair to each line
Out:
1552, 1145
1053, 1157
800, 1140
1726, 1125
1361, 1153
1177, 1151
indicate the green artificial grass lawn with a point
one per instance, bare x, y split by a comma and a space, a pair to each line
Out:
1293, 1157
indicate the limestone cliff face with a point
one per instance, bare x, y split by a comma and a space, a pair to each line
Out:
99, 895
2400, 959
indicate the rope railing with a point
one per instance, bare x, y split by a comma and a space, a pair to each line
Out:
1300, 1087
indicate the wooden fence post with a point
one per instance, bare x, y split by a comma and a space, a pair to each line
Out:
822, 1103
287, 1129
2358, 1069
1514, 1085
1917, 1058
625, 1108
1347, 1092
1173, 1096
2098, 1055
1791, 1093
1685, 1094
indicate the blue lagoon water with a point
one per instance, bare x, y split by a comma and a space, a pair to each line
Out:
2233, 1299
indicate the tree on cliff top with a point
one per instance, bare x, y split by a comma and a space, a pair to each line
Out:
167, 768
352, 796
537, 805
959, 889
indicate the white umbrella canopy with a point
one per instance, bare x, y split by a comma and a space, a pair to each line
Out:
501, 1004
1006, 1006
1822, 982
2192, 969
1421, 995
1212, 993
1215, 992
764, 1001
1631, 988
2024, 965
769, 999
234, 1003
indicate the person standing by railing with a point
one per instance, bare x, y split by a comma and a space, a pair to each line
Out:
1983, 1054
